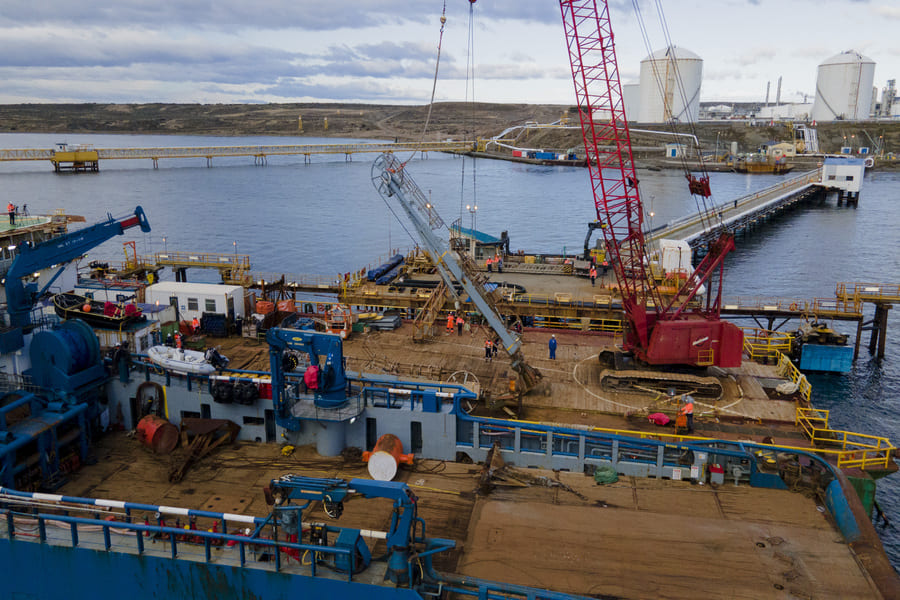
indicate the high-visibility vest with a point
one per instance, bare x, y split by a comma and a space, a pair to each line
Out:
688, 409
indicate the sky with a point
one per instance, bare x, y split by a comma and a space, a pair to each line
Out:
385, 51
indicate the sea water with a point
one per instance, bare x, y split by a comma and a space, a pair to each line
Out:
326, 218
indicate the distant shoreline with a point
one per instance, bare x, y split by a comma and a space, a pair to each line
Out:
448, 120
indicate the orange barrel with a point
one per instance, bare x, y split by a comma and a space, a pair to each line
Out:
286, 305
264, 307
385, 457
157, 434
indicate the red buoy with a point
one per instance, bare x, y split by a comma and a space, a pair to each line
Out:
86, 307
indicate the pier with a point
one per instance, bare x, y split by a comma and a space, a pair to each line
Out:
742, 214
86, 158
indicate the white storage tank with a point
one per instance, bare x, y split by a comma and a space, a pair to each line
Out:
670, 86
844, 87
631, 96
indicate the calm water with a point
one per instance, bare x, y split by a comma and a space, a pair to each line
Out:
326, 218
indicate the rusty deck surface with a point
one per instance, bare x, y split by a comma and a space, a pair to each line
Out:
637, 538
570, 391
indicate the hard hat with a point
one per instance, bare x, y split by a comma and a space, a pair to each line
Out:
553, 335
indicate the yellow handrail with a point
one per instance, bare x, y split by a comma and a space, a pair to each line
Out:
764, 344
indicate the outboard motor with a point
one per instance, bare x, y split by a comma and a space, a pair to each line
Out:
216, 359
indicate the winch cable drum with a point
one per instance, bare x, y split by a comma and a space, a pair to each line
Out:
72, 347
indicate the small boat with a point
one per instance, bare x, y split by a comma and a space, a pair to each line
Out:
181, 361
105, 315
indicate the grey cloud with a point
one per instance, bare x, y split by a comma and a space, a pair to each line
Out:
232, 15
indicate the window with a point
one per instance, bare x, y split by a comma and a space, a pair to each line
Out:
211, 305
371, 432
254, 421
193, 304
121, 298
849, 177
415, 437
831, 178
89, 295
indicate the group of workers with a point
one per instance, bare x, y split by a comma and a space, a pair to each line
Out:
496, 260
456, 320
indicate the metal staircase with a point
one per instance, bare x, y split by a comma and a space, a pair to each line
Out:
423, 326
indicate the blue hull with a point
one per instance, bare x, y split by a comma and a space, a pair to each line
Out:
46, 572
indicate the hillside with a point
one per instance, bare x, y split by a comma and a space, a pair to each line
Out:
448, 120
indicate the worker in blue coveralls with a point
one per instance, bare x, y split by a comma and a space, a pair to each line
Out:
552, 346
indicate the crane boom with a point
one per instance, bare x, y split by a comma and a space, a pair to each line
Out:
658, 332
391, 180
20, 297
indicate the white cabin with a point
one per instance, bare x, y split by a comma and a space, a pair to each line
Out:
194, 299
843, 173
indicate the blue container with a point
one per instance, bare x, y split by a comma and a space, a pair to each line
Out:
831, 359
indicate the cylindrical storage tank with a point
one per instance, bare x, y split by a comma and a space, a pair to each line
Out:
157, 434
670, 86
386, 456
844, 87
631, 97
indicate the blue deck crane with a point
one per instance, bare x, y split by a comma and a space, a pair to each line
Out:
21, 297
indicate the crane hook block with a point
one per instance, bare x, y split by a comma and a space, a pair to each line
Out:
699, 186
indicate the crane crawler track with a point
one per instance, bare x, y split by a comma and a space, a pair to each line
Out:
644, 382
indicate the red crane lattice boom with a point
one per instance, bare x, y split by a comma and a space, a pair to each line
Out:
664, 333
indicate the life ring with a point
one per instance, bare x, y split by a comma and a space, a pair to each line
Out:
793, 306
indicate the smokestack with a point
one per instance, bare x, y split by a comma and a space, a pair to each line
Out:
768, 88
778, 92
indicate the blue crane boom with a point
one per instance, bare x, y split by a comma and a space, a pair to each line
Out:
21, 296
391, 180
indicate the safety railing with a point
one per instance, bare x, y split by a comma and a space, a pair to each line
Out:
860, 292
199, 259
762, 344
814, 307
856, 449
183, 543
790, 370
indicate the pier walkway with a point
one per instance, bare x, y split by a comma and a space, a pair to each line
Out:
260, 153
742, 213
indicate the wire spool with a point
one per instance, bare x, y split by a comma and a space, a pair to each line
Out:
70, 348
157, 434
385, 457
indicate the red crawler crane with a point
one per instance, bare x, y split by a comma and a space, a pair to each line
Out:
658, 333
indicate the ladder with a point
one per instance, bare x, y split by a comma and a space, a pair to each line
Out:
423, 326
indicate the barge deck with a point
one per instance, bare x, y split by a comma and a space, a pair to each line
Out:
630, 539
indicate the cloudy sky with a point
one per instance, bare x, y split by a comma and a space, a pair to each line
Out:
383, 51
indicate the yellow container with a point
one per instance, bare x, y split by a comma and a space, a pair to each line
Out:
529, 260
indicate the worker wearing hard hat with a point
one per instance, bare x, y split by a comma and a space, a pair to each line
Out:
687, 409
552, 346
